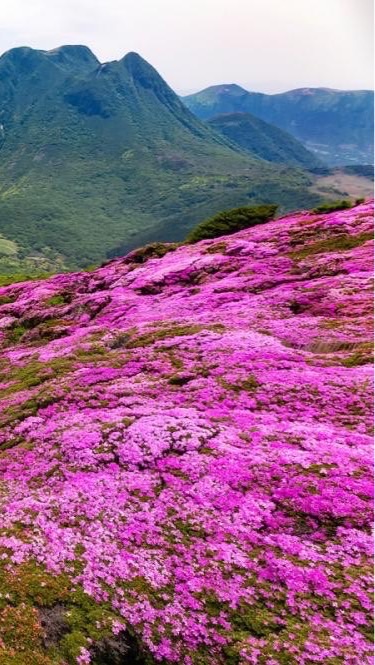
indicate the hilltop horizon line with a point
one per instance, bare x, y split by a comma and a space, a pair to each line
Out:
183, 92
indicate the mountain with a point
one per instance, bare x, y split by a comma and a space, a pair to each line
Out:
264, 140
99, 158
186, 453
337, 125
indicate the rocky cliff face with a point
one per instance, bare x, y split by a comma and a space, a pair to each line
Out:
185, 453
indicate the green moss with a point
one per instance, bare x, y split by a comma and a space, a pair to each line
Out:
28, 408
30, 583
331, 324
45, 324
96, 352
189, 529
340, 243
87, 618
33, 374
60, 365
357, 359
71, 645
173, 331
212, 605
174, 360
256, 622
219, 248
158, 335
30, 587
10, 658
20, 629
177, 380
120, 340
249, 385
5, 300
14, 278
155, 250
59, 299
15, 334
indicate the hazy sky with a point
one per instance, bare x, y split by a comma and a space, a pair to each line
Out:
265, 45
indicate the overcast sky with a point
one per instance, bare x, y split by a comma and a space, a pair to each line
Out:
265, 45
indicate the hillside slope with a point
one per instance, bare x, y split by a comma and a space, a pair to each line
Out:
262, 139
337, 125
96, 157
185, 453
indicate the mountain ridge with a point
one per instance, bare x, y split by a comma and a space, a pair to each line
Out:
99, 158
261, 138
335, 124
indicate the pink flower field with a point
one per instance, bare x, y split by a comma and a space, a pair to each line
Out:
185, 465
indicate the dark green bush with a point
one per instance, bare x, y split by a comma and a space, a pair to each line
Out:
331, 206
360, 200
230, 221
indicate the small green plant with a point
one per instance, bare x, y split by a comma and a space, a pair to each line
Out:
5, 300
336, 244
59, 299
230, 221
16, 333
357, 359
359, 201
55, 300
154, 250
331, 206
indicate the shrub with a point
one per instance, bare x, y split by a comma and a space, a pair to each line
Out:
360, 200
230, 221
331, 206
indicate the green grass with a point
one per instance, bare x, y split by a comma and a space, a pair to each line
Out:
7, 247
14, 278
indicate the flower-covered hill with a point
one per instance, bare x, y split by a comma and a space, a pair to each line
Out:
185, 453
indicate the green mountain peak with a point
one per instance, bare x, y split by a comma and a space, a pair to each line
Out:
73, 56
261, 138
99, 158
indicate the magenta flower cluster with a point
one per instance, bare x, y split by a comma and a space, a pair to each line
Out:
189, 439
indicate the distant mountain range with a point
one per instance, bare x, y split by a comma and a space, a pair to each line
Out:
337, 125
99, 158
263, 139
